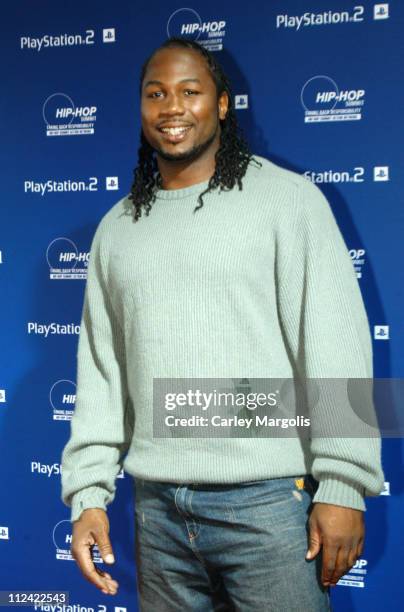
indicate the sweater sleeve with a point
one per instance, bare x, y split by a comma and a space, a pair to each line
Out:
325, 325
100, 425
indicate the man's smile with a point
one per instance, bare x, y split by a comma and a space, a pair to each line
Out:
175, 133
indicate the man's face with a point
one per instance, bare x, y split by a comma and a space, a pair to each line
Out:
180, 111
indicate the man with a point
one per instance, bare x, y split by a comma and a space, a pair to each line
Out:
255, 281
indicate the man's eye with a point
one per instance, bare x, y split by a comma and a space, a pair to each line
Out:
155, 94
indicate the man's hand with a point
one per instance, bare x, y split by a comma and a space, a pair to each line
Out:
93, 528
341, 531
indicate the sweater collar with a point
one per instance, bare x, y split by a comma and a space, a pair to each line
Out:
175, 194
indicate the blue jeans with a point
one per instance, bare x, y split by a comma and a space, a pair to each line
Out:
204, 548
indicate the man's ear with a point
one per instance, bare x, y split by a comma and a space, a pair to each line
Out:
223, 105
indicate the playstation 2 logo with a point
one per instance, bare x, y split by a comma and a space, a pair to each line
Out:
112, 183
108, 35
381, 11
386, 490
4, 533
381, 173
241, 101
381, 332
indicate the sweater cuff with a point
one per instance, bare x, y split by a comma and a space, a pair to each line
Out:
90, 497
341, 492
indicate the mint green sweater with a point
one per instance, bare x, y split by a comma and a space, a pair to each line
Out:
257, 283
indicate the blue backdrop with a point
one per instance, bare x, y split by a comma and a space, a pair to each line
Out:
318, 87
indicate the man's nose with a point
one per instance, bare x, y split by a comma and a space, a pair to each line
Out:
173, 104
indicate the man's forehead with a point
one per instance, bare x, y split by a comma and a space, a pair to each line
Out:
179, 63
186, 80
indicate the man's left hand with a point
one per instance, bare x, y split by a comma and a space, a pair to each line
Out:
341, 531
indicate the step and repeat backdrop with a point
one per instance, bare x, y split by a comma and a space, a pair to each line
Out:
318, 88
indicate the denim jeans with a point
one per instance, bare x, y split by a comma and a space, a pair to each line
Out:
204, 548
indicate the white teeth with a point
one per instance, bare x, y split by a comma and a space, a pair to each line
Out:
175, 131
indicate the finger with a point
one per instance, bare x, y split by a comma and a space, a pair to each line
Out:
314, 547
353, 555
360, 547
341, 565
314, 541
108, 578
105, 574
86, 565
330, 552
104, 546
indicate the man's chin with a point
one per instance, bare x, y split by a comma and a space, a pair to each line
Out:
187, 155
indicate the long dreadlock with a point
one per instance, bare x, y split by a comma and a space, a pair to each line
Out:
231, 159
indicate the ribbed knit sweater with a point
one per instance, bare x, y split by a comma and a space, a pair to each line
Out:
257, 283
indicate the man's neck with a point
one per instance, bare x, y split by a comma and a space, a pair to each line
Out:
178, 175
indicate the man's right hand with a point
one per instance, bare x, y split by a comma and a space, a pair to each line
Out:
91, 528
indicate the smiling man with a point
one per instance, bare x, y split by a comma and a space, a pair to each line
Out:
193, 138
236, 270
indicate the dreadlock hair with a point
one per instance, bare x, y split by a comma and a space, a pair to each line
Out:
231, 158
